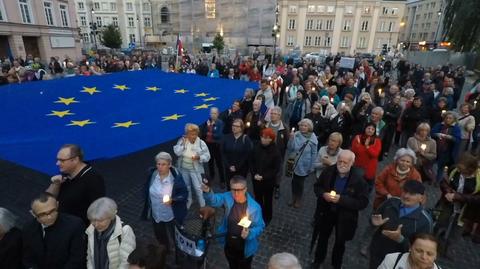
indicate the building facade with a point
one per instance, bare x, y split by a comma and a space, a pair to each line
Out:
42, 28
424, 22
132, 17
348, 26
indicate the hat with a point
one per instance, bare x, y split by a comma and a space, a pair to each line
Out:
268, 132
413, 187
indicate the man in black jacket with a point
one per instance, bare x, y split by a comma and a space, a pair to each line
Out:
53, 239
341, 193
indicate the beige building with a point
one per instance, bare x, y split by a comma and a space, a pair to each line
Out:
42, 28
348, 26
424, 22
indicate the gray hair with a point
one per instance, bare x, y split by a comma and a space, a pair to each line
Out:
102, 208
165, 156
7, 220
378, 109
401, 152
276, 109
284, 260
214, 109
307, 122
348, 153
451, 113
424, 125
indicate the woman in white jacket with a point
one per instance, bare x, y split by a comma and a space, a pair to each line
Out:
192, 153
109, 243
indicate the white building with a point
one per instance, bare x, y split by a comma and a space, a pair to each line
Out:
348, 26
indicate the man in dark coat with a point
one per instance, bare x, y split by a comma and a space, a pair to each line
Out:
398, 219
53, 239
341, 193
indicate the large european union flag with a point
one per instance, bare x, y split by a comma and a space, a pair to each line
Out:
108, 115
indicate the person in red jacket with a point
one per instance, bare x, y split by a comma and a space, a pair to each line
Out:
367, 147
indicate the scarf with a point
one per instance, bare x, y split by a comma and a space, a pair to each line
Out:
402, 173
100, 241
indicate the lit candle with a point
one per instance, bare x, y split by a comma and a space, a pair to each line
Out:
288, 88
379, 91
293, 129
475, 104
443, 111
248, 124
313, 88
331, 99
445, 168
166, 198
423, 147
245, 222
333, 193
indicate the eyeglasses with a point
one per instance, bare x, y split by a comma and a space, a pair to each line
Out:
68, 159
237, 190
46, 214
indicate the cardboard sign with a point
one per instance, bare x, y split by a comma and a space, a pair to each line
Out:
184, 244
347, 62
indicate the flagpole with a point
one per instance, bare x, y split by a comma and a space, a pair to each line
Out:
178, 51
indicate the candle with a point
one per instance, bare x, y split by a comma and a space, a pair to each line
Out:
293, 129
333, 193
423, 147
313, 88
443, 111
166, 198
475, 104
331, 99
288, 88
445, 168
248, 124
379, 91
245, 222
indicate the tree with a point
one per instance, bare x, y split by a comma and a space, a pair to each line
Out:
461, 24
218, 42
111, 37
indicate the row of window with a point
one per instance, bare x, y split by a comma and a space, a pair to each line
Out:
49, 11
422, 36
87, 38
345, 41
347, 25
432, 5
348, 9
147, 21
112, 6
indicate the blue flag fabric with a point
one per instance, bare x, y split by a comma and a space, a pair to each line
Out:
108, 116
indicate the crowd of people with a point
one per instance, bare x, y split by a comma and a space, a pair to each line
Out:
329, 122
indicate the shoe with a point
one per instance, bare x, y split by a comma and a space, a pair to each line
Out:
296, 204
276, 193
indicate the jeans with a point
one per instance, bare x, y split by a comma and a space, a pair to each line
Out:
193, 180
297, 186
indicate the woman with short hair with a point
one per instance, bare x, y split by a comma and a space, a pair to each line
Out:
10, 241
425, 149
109, 242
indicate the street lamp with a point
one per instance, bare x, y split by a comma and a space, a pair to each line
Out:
94, 29
275, 34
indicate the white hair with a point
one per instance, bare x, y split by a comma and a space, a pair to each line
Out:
405, 152
214, 109
276, 109
102, 208
284, 260
163, 156
378, 109
7, 220
347, 153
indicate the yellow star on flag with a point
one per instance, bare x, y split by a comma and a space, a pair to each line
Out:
66, 101
126, 124
60, 114
181, 91
202, 94
91, 91
153, 89
121, 87
80, 123
172, 117
210, 99
204, 106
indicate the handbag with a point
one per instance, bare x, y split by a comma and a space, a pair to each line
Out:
292, 161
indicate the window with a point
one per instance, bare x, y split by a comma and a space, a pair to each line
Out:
394, 11
291, 24
146, 6
2, 12
321, 9
385, 10
347, 25
311, 9
422, 26
379, 43
329, 25
86, 37
425, 16
430, 15
147, 22
64, 15
364, 26
349, 10
83, 21
131, 22
308, 41
104, 6
129, 6
290, 40
309, 25
382, 26
131, 37
81, 5
362, 42
428, 25
319, 25
48, 12
99, 21
292, 9
344, 42
210, 9
432, 35
164, 15
113, 6
432, 5
25, 11
417, 17
115, 21
96, 5
327, 42
391, 26
318, 41
414, 35
330, 9
366, 10
427, 6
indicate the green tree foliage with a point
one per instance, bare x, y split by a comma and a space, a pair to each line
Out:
111, 37
462, 24
218, 42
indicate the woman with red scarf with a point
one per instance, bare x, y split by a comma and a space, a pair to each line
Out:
367, 147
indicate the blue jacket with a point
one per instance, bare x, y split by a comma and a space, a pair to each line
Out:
213, 74
179, 196
217, 131
254, 212
306, 161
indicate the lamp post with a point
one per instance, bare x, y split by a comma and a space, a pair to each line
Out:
94, 29
440, 13
275, 34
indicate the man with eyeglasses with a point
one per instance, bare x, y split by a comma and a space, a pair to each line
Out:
53, 239
77, 185
241, 242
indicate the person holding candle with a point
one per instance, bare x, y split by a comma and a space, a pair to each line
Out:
327, 155
391, 116
397, 219
255, 122
331, 93
192, 153
165, 199
466, 122
247, 102
302, 148
411, 117
425, 149
437, 112
266, 91
212, 132
299, 108
240, 242
230, 115
341, 193
341, 123
360, 113
447, 134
